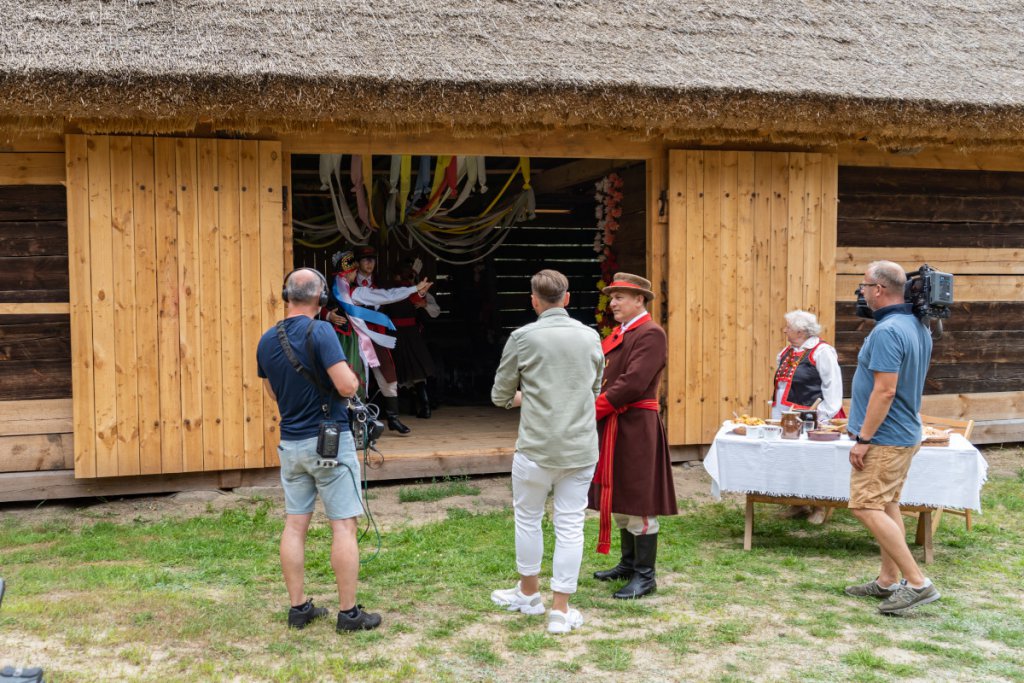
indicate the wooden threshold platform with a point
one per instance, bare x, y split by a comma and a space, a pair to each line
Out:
456, 441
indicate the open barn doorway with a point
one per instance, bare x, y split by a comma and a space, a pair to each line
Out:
478, 228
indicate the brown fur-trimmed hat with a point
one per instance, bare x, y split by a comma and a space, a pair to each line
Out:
627, 282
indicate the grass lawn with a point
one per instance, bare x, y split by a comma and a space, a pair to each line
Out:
201, 598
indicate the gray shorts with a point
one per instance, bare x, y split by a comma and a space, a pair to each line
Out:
302, 480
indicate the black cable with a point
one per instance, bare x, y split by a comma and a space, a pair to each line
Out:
369, 416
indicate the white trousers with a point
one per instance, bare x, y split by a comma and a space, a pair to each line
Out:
387, 388
531, 485
638, 526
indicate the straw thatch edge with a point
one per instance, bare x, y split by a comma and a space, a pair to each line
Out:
155, 105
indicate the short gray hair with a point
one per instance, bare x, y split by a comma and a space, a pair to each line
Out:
304, 287
889, 274
803, 321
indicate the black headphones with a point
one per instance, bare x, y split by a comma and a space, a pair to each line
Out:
324, 297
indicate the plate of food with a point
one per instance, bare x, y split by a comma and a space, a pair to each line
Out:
935, 437
741, 422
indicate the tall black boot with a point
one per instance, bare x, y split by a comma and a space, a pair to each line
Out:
624, 569
422, 401
643, 582
391, 413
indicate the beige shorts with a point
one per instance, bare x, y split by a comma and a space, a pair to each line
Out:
881, 480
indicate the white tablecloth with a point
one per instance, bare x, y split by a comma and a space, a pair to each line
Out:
949, 476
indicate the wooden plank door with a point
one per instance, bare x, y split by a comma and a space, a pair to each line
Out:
751, 236
176, 252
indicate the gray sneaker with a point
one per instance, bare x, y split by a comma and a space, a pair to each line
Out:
907, 597
871, 589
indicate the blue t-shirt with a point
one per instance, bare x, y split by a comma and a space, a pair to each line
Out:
297, 399
899, 343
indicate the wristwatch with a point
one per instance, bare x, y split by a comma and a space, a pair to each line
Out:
863, 441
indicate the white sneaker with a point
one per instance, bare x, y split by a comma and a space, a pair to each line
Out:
564, 622
513, 600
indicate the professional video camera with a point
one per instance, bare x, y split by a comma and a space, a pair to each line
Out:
18, 674
929, 291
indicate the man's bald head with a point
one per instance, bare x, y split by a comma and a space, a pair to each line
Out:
304, 286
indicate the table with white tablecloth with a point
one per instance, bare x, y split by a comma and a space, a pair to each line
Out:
783, 470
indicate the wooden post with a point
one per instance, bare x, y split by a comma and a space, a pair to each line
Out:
748, 525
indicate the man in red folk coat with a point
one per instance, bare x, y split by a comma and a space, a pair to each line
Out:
633, 482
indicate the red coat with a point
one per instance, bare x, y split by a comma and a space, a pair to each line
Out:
642, 470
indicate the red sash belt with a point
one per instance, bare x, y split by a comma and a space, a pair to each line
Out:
603, 473
404, 322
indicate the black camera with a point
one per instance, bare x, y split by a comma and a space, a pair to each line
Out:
928, 291
366, 428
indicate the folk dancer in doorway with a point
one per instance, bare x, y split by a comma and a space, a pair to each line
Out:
359, 304
413, 362
633, 482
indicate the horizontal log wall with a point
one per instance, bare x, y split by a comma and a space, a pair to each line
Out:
971, 224
35, 346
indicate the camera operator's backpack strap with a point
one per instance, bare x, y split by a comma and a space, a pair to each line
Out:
289, 352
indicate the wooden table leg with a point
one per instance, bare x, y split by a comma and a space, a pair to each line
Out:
748, 526
926, 523
920, 535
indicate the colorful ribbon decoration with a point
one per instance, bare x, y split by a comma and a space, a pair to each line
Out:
430, 224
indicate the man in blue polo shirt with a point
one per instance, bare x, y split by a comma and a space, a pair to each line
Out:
884, 417
300, 403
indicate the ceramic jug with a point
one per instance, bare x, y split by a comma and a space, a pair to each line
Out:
791, 425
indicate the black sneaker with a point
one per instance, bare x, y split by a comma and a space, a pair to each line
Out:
299, 617
362, 621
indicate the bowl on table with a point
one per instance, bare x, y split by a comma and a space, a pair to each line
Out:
822, 435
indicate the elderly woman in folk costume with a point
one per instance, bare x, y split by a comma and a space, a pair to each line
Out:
354, 312
807, 373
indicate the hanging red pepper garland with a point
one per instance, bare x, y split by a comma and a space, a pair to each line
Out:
608, 196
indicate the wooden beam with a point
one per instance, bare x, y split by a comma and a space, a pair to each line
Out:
932, 157
34, 308
961, 261
998, 431
44, 416
552, 144
18, 142
573, 173
32, 168
59, 484
35, 452
1000, 405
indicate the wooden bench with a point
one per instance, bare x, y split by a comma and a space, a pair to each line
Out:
925, 517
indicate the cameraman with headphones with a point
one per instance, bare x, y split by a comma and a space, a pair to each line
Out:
314, 345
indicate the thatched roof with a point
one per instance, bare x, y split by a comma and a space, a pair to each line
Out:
815, 71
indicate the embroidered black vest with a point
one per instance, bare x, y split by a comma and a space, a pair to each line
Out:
804, 386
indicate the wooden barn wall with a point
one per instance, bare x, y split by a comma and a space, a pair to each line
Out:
35, 348
751, 235
176, 253
966, 222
